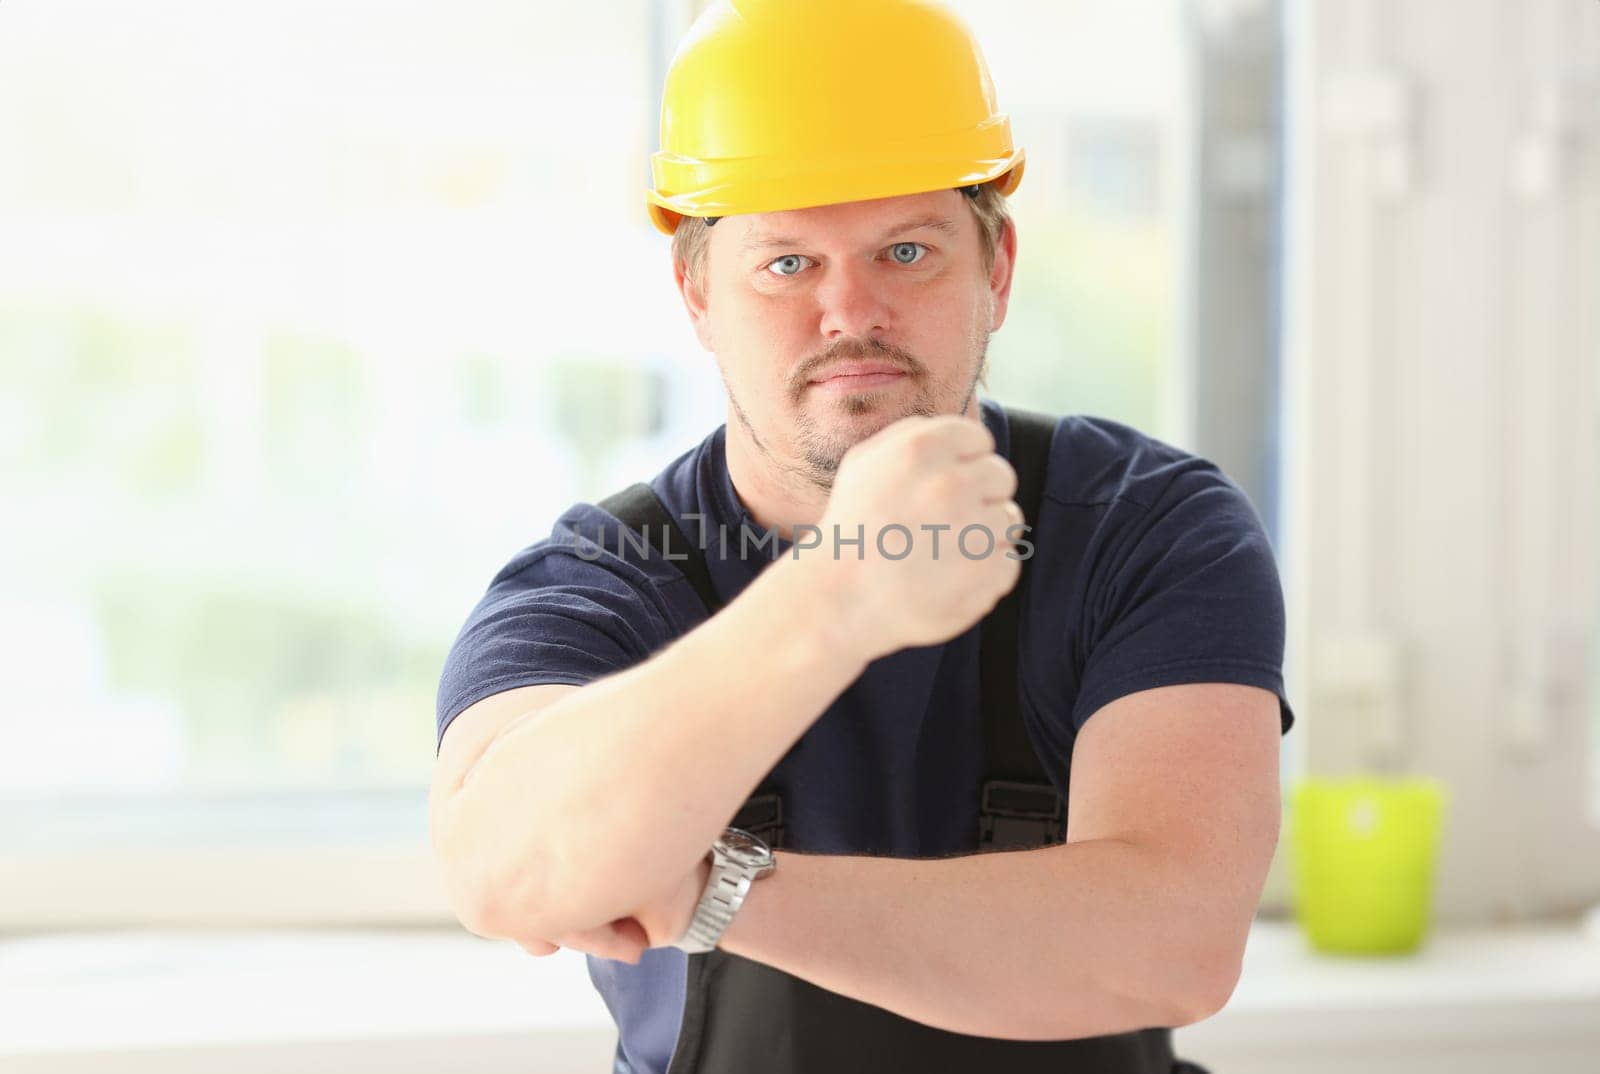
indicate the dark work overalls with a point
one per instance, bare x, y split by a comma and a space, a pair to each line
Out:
744, 1017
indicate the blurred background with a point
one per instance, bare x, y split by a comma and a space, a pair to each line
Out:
312, 315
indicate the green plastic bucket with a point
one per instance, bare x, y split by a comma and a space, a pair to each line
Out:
1362, 853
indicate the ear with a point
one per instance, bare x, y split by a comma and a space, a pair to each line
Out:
1005, 260
694, 300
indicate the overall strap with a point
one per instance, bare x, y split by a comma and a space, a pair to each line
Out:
1018, 806
641, 510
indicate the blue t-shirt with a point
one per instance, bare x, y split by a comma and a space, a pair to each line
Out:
1157, 572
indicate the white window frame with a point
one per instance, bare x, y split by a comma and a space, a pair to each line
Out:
1235, 384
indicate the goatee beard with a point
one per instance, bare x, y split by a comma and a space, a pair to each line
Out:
821, 455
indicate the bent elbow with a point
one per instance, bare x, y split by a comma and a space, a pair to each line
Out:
493, 896
504, 907
1210, 996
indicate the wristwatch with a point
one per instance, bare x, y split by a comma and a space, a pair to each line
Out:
738, 859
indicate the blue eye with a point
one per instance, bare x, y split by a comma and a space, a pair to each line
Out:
907, 253
787, 265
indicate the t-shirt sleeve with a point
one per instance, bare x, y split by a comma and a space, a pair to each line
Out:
551, 616
1191, 593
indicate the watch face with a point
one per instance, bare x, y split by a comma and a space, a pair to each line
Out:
747, 849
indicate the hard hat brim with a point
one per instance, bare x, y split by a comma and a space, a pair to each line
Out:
768, 188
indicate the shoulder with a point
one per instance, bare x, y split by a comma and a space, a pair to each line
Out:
1098, 461
1105, 479
1110, 470
1127, 516
1153, 567
592, 558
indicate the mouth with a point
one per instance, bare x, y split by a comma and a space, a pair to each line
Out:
857, 376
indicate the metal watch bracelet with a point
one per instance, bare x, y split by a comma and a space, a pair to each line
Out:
724, 894
738, 859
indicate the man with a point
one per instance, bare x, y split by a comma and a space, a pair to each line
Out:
833, 173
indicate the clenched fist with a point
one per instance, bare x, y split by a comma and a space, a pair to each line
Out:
931, 502
661, 922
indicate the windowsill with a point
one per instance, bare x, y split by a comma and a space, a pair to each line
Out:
1468, 1000
212, 992
415, 999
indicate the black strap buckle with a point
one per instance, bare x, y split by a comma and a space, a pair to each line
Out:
1015, 815
762, 815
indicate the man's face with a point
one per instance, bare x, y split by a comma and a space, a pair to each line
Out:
830, 323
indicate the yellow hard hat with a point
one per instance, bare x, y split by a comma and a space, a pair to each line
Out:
782, 104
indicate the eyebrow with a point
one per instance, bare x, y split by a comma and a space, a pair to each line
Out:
935, 222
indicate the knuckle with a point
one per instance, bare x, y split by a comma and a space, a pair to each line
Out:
1008, 532
994, 476
1008, 475
985, 437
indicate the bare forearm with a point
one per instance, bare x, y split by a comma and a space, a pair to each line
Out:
582, 810
1082, 939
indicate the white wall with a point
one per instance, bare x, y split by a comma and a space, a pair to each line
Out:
1442, 347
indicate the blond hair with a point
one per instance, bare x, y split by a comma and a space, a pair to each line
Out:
988, 205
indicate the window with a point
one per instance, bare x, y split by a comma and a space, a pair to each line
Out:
290, 367
1096, 304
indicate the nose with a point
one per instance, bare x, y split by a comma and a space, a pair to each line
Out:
852, 302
